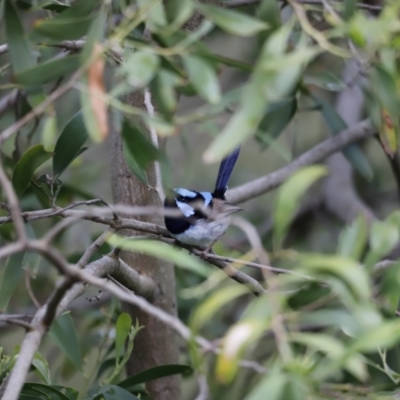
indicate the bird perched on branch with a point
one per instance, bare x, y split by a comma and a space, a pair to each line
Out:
204, 216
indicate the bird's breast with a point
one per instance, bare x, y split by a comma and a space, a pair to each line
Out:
203, 233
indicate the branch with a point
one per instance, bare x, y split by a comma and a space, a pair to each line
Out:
13, 204
319, 152
40, 108
339, 194
244, 3
8, 101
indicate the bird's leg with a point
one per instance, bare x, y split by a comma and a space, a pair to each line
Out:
204, 253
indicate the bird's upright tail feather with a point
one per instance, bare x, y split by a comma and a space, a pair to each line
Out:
224, 173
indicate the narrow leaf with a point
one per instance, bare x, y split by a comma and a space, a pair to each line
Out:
232, 21
164, 251
63, 332
150, 374
11, 277
48, 71
18, 47
27, 165
141, 151
352, 151
123, 326
289, 196
203, 78
69, 144
113, 392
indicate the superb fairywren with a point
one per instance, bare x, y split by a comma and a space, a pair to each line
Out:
205, 215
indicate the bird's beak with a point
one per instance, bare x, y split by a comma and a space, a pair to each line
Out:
229, 209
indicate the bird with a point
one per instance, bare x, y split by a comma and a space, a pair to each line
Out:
204, 216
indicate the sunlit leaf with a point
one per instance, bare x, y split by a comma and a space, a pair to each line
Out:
383, 336
346, 269
140, 68
232, 21
203, 78
164, 251
207, 309
289, 196
353, 239
273, 384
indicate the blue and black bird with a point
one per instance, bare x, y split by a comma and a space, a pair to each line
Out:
204, 215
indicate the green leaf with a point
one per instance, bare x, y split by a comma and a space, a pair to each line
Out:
123, 326
274, 78
352, 151
269, 12
140, 67
12, 275
289, 196
231, 21
71, 24
45, 391
349, 9
203, 78
353, 239
163, 89
25, 168
164, 251
325, 80
66, 29
48, 71
273, 384
150, 374
18, 47
383, 236
208, 308
42, 367
276, 119
113, 392
69, 144
178, 11
383, 336
71, 393
63, 332
347, 270
139, 150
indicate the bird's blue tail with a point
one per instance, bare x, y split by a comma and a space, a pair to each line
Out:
224, 173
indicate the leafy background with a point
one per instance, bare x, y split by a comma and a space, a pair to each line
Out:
331, 331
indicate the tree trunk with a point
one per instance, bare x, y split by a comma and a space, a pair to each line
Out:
156, 344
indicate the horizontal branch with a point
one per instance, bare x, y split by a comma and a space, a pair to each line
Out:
317, 153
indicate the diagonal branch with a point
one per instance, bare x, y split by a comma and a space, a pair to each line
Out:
317, 153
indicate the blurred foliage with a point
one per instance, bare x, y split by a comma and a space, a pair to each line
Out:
328, 328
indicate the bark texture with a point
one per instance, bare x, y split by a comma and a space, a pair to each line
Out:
156, 344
